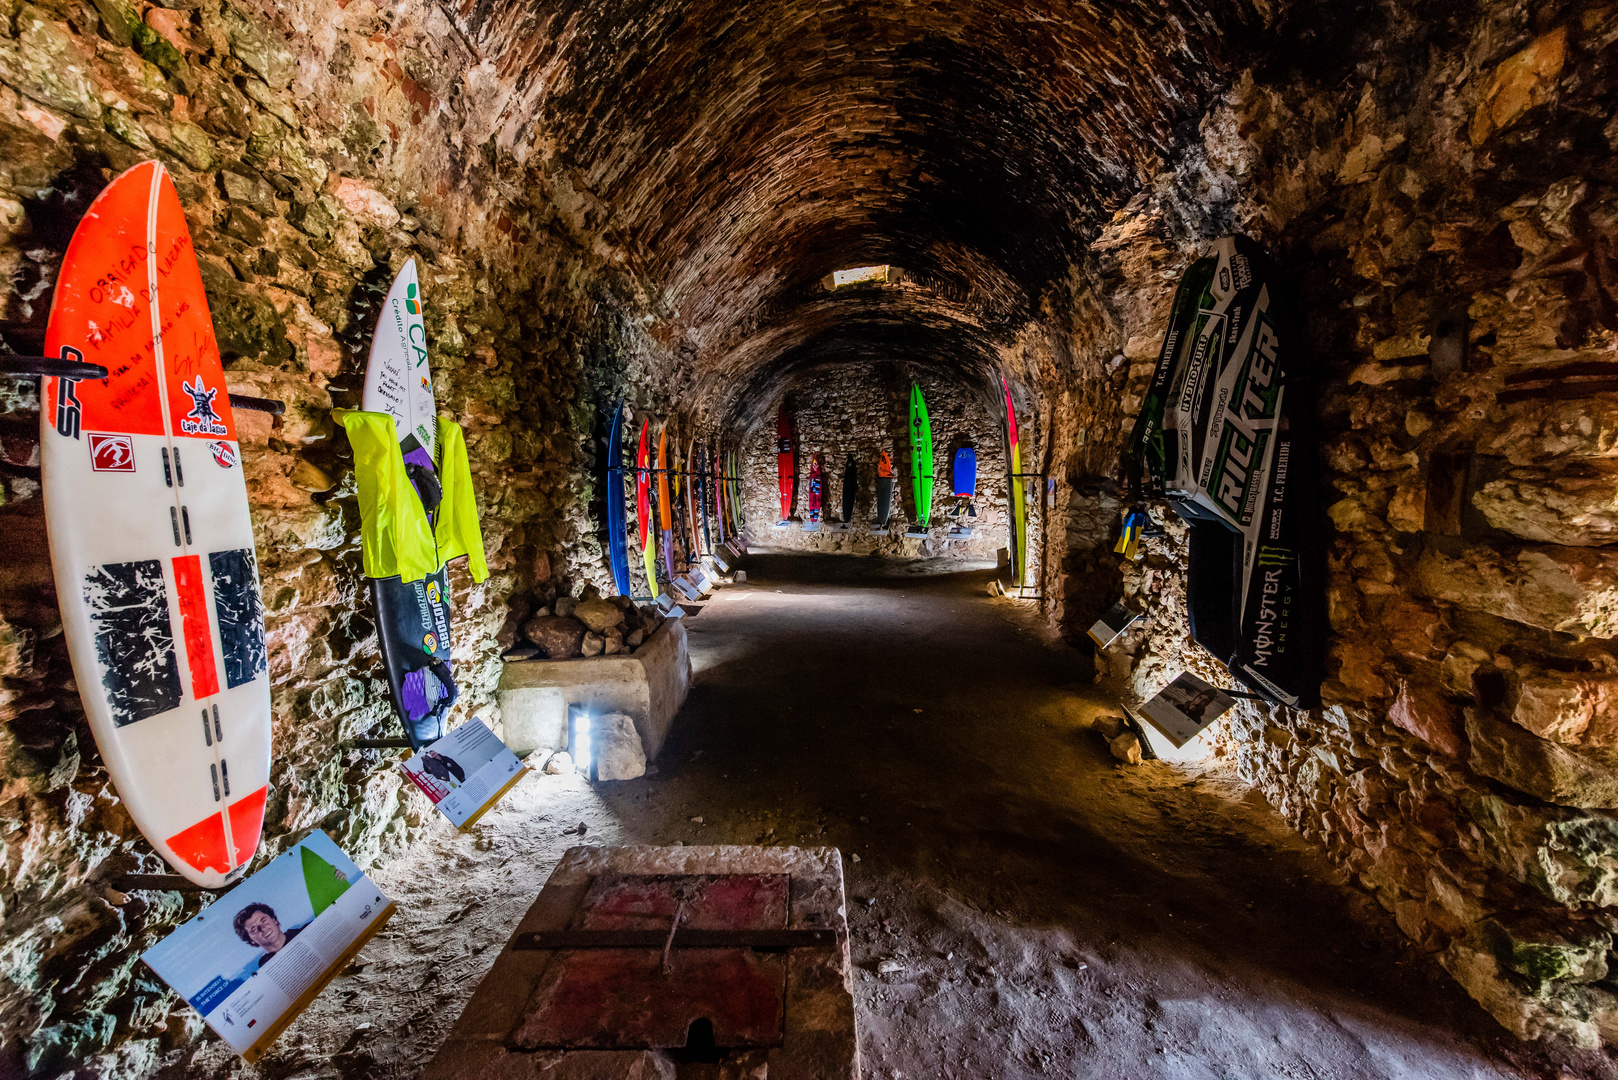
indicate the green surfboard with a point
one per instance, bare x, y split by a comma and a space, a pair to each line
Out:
921, 457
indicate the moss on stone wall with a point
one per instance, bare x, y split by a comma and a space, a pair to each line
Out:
312, 163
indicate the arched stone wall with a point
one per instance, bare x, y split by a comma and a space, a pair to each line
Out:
642, 199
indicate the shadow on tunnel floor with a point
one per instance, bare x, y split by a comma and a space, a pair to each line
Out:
787, 568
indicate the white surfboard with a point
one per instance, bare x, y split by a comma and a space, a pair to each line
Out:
413, 618
397, 379
151, 541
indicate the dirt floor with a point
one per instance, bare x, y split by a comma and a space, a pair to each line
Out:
1050, 912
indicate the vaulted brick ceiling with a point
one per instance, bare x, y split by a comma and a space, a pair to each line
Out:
746, 150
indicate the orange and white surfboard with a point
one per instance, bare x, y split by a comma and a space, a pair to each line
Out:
151, 541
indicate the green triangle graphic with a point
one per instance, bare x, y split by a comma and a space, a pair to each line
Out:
322, 880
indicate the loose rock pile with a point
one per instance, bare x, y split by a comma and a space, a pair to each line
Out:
1122, 742
587, 626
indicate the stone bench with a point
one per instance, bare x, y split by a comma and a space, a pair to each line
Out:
649, 685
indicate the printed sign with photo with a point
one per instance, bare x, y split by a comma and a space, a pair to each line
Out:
1112, 624
252, 960
464, 773
1184, 708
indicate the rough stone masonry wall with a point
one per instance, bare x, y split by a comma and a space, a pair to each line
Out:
863, 409
315, 148
1443, 185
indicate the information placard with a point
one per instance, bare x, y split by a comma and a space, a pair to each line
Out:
1184, 708
1113, 623
254, 959
464, 773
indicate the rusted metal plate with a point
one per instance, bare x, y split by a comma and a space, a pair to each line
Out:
756, 940
623, 999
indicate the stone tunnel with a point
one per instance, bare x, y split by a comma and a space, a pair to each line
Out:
651, 202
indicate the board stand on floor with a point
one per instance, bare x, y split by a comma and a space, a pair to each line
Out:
810, 526
685, 586
918, 533
841, 527
720, 562
880, 530
784, 523
960, 532
670, 606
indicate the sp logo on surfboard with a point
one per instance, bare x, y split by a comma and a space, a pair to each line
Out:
432, 592
68, 409
431, 642
112, 453
224, 455
201, 420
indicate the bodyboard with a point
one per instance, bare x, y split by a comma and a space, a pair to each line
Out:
964, 473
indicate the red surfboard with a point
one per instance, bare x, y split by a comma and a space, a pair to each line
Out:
786, 463
151, 539
643, 504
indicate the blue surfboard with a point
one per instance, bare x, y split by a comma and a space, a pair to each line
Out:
964, 475
617, 542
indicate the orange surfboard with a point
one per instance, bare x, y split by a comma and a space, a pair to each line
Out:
151, 540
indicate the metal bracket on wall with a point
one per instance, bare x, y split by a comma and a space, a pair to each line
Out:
34, 367
163, 882
257, 404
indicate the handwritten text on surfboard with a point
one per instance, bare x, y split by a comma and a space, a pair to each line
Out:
118, 333
394, 384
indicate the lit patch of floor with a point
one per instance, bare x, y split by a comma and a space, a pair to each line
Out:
1021, 907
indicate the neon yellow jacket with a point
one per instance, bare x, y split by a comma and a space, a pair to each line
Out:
457, 530
395, 538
